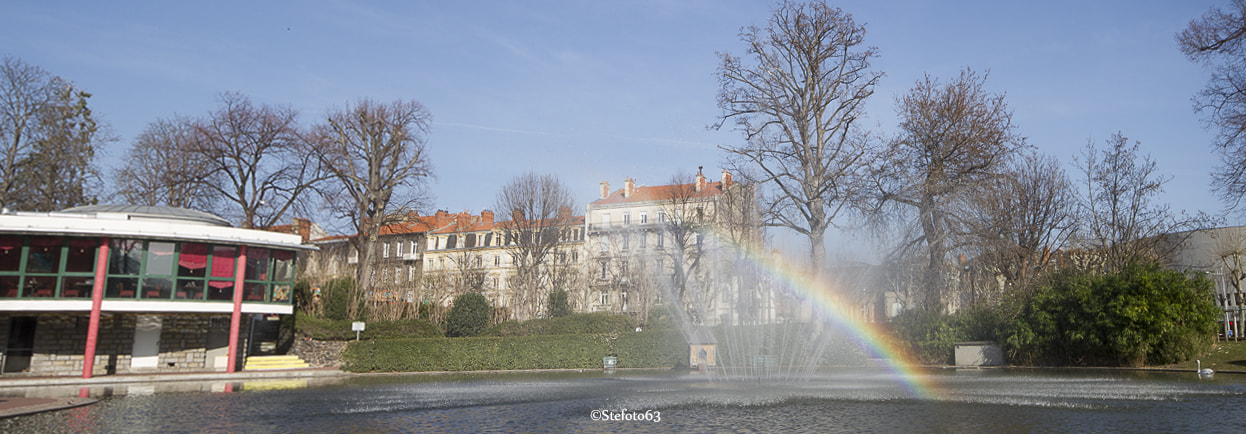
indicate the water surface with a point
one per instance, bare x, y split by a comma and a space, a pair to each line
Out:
834, 400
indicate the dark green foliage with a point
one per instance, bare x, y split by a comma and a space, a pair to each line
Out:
302, 295
469, 316
1142, 315
558, 304
930, 338
580, 323
335, 298
584, 351
339, 330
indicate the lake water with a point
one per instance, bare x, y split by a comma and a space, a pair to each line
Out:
834, 400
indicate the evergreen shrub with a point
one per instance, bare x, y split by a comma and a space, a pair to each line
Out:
469, 316
1142, 315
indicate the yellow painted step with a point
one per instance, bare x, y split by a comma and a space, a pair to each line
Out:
257, 363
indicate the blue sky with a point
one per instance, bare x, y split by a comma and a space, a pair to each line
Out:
599, 91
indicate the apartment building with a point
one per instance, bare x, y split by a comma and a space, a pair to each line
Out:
477, 253
676, 243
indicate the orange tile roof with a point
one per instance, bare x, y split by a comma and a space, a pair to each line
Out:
660, 192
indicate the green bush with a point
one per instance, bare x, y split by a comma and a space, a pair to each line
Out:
1143, 315
931, 338
302, 295
339, 330
335, 298
469, 316
585, 351
558, 304
580, 323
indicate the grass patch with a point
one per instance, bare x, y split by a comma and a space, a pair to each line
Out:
1224, 356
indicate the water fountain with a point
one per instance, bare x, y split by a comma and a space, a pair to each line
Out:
754, 320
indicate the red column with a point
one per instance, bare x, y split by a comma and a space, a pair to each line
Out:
240, 267
97, 300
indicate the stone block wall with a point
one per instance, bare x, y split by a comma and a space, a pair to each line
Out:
60, 343
319, 353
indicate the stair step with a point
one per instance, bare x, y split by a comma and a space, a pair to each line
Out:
257, 363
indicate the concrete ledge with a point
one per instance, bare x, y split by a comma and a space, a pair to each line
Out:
149, 378
10, 407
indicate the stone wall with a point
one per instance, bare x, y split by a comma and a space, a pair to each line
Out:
319, 353
60, 343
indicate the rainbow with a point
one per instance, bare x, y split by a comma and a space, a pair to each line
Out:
841, 316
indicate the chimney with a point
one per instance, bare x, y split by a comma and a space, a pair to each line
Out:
726, 179
486, 216
605, 190
629, 186
441, 219
700, 180
303, 228
564, 212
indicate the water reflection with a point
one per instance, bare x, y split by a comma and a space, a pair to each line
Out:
839, 400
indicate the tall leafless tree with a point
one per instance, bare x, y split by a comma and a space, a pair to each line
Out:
48, 139
797, 99
161, 169
1217, 40
685, 220
377, 157
1230, 249
954, 138
251, 160
1021, 219
1120, 221
541, 222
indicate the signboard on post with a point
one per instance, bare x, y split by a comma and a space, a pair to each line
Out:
357, 327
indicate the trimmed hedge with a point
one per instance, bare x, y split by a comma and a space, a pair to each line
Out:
580, 323
339, 330
585, 351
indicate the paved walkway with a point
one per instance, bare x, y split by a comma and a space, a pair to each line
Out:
17, 406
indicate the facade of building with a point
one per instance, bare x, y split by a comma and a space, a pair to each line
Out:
680, 243
1221, 254
432, 259
477, 253
120, 289
399, 257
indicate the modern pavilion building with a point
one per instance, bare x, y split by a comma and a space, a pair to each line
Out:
120, 289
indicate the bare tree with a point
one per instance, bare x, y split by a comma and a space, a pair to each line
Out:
1217, 40
251, 159
685, 220
376, 154
161, 169
541, 221
797, 101
1022, 219
1230, 249
437, 292
954, 138
1120, 222
48, 139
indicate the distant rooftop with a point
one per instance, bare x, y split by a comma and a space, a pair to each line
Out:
139, 212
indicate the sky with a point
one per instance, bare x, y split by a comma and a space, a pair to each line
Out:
596, 91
